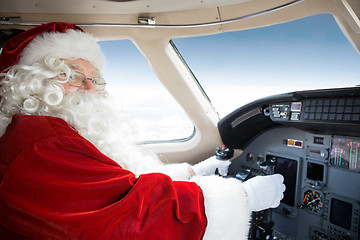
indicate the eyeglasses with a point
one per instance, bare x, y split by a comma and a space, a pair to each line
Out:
77, 79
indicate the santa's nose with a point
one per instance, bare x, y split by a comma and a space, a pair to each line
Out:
89, 86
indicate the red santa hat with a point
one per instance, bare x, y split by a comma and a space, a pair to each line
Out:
57, 39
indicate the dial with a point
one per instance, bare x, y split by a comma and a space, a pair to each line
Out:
313, 201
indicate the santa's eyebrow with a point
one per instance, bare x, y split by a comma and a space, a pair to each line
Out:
73, 66
95, 72
78, 68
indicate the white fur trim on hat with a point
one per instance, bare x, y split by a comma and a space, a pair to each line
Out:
69, 45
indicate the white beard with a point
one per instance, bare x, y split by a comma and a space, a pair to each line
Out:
96, 121
111, 132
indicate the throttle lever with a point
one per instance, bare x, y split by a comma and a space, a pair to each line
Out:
224, 153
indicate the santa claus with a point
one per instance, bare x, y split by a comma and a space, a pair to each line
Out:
69, 171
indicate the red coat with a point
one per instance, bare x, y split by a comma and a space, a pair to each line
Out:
54, 184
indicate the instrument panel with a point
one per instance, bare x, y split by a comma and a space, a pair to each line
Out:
312, 138
322, 178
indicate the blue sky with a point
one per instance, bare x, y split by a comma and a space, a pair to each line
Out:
312, 47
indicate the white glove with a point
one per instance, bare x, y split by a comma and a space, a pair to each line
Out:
209, 166
264, 191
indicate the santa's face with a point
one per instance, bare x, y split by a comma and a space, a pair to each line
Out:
83, 68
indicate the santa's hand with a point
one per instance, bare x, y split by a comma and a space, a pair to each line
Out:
264, 191
209, 166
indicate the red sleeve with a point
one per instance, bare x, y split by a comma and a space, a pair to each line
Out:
64, 188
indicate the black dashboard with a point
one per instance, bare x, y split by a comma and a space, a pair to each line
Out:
313, 139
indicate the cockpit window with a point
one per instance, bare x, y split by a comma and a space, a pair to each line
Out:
235, 68
137, 92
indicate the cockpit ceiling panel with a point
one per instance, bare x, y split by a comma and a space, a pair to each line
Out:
110, 6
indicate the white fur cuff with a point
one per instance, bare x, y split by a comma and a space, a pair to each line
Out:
226, 208
177, 172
